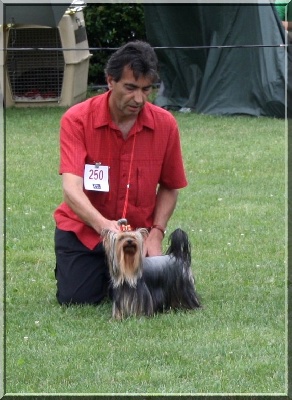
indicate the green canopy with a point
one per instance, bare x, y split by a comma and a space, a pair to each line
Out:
219, 59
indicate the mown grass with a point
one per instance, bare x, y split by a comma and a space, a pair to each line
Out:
234, 213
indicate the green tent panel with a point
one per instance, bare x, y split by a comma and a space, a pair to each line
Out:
248, 77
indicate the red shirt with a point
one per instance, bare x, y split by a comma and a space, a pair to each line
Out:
89, 136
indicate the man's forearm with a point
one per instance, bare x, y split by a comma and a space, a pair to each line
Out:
76, 199
165, 204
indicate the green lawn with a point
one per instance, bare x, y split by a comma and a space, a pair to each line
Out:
234, 213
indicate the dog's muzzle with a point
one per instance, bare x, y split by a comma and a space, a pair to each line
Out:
130, 246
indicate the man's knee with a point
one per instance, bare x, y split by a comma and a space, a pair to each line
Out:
82, 274
72, 298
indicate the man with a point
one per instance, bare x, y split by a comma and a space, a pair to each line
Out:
120, 158
284, 9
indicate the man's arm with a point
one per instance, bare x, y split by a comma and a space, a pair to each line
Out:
165, 204
287, 25
77, 200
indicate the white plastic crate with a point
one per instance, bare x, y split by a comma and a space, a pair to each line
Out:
55, 76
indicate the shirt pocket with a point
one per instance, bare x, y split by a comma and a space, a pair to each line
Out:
147, 179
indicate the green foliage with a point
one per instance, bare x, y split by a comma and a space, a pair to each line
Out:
111, 25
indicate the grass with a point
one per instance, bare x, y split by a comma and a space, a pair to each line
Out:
234, 213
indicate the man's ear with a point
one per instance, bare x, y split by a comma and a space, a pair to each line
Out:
109, 81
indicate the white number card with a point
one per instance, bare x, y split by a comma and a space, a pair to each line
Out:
96, 178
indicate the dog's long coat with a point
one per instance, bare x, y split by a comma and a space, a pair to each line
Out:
147, 285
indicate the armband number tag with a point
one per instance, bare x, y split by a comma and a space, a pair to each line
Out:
96, 178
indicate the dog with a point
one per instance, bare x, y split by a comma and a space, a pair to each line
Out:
144, 286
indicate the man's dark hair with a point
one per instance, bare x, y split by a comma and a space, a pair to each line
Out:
139, 56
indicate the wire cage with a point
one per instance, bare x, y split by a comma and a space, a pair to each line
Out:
47, 65
35, 75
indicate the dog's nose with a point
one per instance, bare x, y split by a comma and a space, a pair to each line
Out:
129, 241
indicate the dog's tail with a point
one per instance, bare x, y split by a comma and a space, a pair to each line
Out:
183, 288
179, 246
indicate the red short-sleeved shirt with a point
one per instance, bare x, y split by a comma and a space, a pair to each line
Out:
89, 136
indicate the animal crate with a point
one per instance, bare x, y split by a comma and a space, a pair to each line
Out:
47, 65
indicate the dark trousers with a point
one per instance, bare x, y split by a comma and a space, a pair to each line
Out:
82, 274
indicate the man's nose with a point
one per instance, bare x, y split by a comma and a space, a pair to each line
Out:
138, 96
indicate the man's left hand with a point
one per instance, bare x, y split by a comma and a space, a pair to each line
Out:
153, 244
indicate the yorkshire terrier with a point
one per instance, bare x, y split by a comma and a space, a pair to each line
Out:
147, 285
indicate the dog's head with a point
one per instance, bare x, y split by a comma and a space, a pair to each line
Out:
124, 252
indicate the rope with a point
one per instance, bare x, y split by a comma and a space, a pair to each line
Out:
242, 46
129, 177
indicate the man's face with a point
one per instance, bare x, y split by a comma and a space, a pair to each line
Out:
128, 94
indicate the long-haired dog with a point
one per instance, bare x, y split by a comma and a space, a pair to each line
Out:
147, 285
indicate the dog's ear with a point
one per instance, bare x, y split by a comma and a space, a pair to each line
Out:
108, 239
144, 232
106, 235
104, 232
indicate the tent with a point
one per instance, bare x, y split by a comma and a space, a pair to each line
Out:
219, 59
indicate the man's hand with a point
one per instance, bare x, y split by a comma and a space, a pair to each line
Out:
153, 243
110, 225
165, 204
